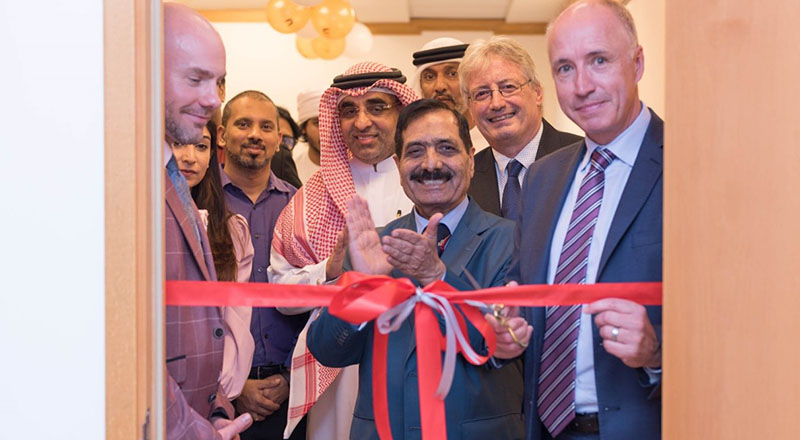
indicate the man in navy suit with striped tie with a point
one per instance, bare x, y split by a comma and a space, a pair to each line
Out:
592, 213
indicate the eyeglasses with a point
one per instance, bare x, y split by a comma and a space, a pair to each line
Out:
375, 110
288, 141
505, 90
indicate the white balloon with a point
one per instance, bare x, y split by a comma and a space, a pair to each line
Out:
358, 42
307, 2
308, 31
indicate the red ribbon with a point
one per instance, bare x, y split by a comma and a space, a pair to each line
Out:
360, 298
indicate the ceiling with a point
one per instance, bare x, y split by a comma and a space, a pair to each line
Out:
403, 11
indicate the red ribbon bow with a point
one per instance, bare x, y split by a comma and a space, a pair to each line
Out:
360, 298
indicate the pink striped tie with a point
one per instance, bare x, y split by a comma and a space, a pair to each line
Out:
556, 400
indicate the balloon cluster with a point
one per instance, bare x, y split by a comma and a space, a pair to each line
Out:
325, 28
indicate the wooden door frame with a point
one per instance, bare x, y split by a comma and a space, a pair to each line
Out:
133, 220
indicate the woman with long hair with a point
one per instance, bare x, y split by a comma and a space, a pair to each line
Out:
229, 238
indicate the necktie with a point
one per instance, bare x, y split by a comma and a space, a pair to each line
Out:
511, 193
556, 397
186, 197
442, 236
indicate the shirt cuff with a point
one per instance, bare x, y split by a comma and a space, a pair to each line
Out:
654, 374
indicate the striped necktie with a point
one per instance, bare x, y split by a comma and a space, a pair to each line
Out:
556, 397
442, 237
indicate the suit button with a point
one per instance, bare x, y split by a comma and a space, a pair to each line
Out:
218, 332
212, 397
266, 336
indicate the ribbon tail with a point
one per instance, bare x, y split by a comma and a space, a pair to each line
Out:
380, 401
429, 366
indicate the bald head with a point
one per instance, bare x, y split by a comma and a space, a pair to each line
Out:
596, 64
194, 67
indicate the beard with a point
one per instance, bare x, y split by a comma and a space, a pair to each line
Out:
182, 134
246, 160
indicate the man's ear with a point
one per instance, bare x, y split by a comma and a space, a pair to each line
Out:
221, 136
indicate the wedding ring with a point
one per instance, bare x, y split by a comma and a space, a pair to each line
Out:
614, 333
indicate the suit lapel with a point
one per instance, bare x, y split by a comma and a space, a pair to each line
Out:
545, 215
549, 140
464, 241
646, 172
184, 222
483, 187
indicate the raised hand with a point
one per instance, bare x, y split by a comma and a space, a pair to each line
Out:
364, 244
333, 268
415, 254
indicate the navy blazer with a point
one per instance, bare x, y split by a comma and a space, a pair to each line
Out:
483, 402
629, 408
483, 187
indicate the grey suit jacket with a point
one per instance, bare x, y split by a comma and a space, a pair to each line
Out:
194, 335
483, 402
629, 407
483, 187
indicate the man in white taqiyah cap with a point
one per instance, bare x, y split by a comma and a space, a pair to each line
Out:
437, 77
306, 152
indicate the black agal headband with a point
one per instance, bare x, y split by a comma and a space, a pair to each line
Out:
367, 79
439, 54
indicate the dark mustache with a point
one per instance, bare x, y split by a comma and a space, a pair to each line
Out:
437, 174
254, 145
444, 94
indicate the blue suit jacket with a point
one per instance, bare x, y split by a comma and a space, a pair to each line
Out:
629, 408
483, 402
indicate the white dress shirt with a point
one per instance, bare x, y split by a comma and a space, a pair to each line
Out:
305, 168
626, 147
451, 219
526, 157
380, 186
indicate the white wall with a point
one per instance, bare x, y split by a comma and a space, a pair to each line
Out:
51, 246
263, 59
651, 27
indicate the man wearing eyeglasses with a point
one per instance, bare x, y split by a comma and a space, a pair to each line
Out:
357, 118
498, 80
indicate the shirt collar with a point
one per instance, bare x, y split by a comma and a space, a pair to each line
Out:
625, 146
451, 219
273, 183
385, 166
526, 156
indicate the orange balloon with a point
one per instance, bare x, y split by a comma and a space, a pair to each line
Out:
328, 48
305, 48
286, 16
333, 18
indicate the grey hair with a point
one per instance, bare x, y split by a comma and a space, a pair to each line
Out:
477, 55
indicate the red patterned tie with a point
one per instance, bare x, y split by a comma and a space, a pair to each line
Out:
556, 399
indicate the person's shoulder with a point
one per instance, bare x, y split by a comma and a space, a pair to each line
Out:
559, 156
238, 225
485, 221
282, 185
484, 155
563, 138
399, 222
